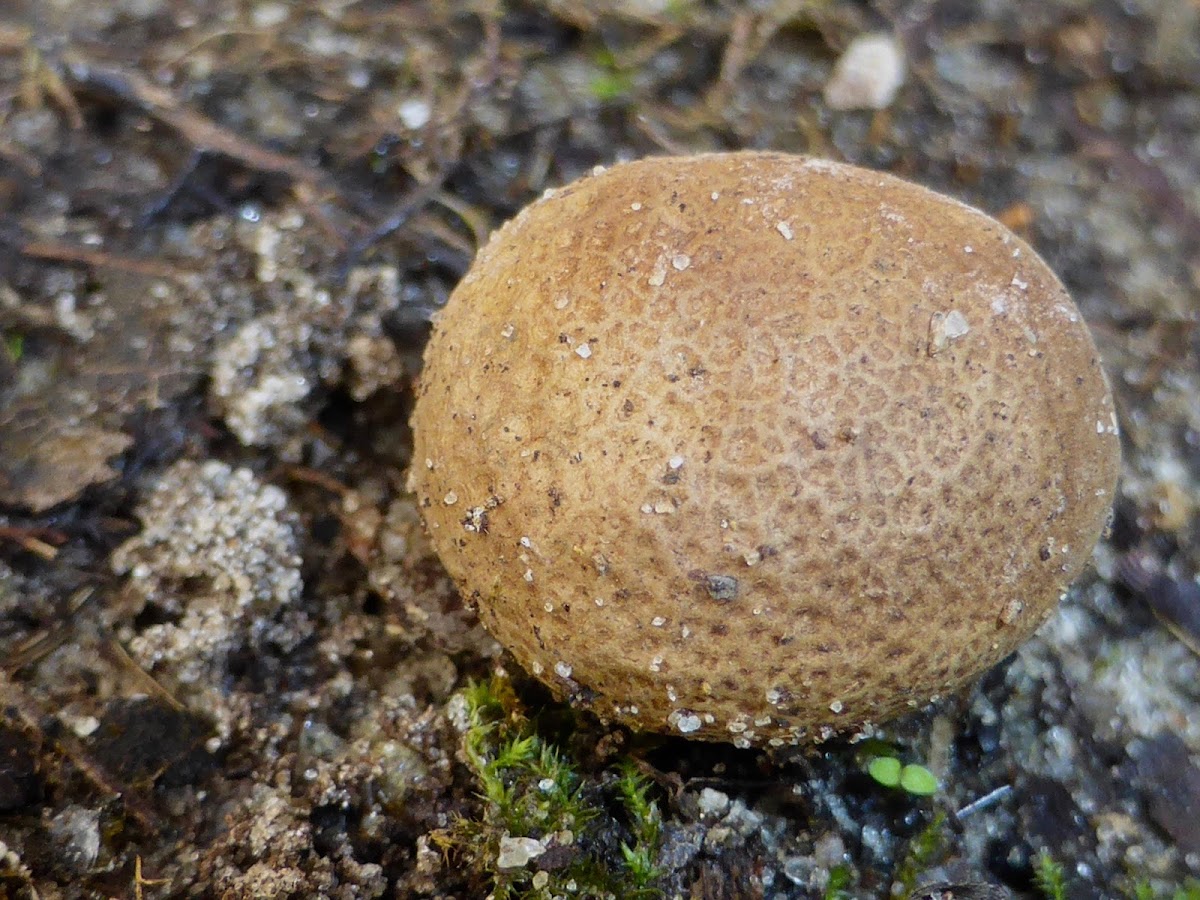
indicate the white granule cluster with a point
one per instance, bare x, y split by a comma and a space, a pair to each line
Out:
265, 369
258, 377
218, 554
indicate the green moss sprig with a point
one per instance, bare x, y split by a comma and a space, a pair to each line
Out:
533, 797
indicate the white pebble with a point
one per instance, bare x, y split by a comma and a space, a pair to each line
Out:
868, 74
685, 722
517, 852
414, 113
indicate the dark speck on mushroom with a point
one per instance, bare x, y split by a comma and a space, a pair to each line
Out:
722, 588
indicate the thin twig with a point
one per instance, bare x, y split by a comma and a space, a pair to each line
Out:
48, 640
28, 542
99, 259
416, 201
139, 881
198, 131
114, 649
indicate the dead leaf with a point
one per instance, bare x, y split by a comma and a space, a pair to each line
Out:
39, 471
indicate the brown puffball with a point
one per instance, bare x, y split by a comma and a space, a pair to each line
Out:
760, 448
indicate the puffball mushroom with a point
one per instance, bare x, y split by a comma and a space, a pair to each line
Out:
758, 447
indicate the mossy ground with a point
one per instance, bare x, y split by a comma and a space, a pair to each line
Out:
602, 831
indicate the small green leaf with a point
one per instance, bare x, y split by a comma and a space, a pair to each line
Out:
918, 780
886, 770
611, 86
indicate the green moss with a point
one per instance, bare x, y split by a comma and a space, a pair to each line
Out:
529, 788
1049, 877
923, 851
840, 881
646, 824
14, 346
1143, 890
610, 87
613, 83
